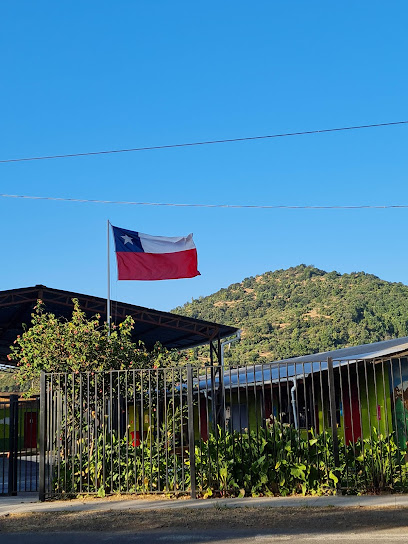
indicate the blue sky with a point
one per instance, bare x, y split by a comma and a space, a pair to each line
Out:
88, 76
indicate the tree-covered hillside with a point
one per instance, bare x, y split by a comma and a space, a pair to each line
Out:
305, 310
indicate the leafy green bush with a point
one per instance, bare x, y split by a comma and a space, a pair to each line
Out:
79, 345
374, 464
275, 460
117, 466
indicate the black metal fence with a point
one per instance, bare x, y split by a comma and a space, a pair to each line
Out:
119, 431
279, 428
19, 453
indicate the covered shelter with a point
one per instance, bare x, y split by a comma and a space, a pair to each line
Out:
151, 326
368, 389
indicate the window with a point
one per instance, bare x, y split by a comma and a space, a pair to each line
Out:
238, 417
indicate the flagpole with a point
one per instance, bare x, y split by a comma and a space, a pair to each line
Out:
108, 301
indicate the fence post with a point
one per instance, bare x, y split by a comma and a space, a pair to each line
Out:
13, 446
332, 397
43, 415
191, 442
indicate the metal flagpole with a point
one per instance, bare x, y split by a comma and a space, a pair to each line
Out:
108, 301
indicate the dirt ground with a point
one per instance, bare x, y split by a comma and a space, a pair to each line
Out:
306, 519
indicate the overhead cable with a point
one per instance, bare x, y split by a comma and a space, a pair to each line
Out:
207, 142
231, 206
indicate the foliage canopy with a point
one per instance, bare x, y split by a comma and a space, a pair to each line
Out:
304, 310
53, 344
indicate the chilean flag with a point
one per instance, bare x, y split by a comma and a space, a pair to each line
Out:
144, 257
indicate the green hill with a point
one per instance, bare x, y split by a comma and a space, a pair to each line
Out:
305, 310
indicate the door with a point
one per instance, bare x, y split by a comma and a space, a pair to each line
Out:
30, 430
351, 410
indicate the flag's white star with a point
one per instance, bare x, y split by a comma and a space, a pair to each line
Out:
127, 239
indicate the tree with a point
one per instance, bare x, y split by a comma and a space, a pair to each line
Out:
53, 344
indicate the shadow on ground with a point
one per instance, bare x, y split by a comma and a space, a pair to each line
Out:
212, 524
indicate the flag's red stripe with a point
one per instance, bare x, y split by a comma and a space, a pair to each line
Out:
157, 266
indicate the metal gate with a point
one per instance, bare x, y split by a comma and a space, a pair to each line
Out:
19, 452
123, 431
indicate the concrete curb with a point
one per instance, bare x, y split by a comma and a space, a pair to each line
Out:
25, 504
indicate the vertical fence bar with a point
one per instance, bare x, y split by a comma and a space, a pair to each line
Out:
173, 401
231, 414
342, 404
248, 425
350, 407
279, 407
180, 378
323, 398
43, 415
191, 445
80, 432
315, 416
3, 465
263, 418
200, 432
378, 438
333, 412
157, 420
20, 463
72, 433
103, 420
110, 412
58, 444
273, 419
166, 440
13, 448
369, 416
134, 440
256, 411
141, 430
95, 431
207, 415
387, 427
88, 432
394, 411
212, 384
151, 431
223, 394
239, 411
52, 426
305, 399
405, 430
126, 429
361, 424
118, 431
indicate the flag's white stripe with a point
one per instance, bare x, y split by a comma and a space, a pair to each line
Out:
165, 244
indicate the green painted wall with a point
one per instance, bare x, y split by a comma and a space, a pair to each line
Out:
376, 400
135, 419
5, 427
375, 404
399, 383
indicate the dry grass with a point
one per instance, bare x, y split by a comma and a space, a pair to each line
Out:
226, 303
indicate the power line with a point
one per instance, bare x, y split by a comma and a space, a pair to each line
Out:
208, 142
231, 206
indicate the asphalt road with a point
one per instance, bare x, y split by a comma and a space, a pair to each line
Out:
27, 473
212, 537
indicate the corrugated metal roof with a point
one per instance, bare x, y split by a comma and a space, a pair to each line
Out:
365, 351
301, 367
151, 326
